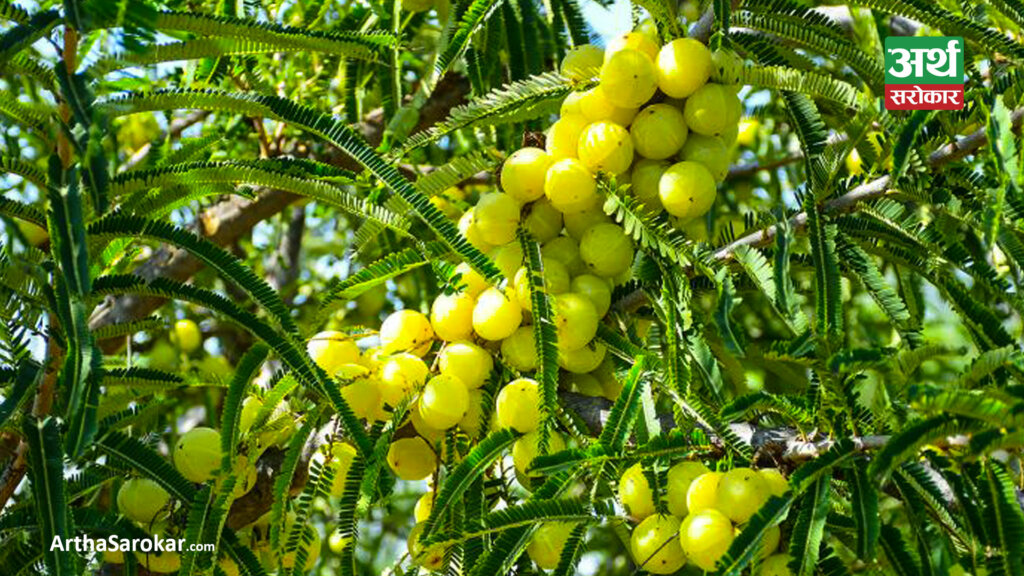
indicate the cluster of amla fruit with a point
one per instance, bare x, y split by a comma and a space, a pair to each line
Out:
702, 513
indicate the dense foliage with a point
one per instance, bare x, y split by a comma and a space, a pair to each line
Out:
321, 285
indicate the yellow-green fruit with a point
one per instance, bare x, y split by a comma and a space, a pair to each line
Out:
520, 349
658, 131
706, 537
446, 207
703, 492
571, 104
508, 258
406, 331
741, 493
776, 482
570, 186
496, 314
649, 28
582, 62
708, 151
595, 106
431, 558
577, 223
496, 217
854, 164
467, 226
727, 67
596, 289
312, 549
159, 562
142, 499
423, 507
163, 356
606, 250
769, 542
473, 419
518, 405
331, 349
197, 454
342, 455
362, 392
400, 375
37, 235
411, 458
451, 316
543, 221
684, 65
522, 174
635, 493
656, 547
471, 280
466, 361
575, 319
585, 384
639, 41
644, 179
564, 136
546, 545
187, 336
372, 359
687, 190
429, 433
444, 401
555, 275
607, 147
417, 5
566, 250
680, 477
711, 109
527, 448
775, 565
747, 133
582, 360
629, 78
337, 542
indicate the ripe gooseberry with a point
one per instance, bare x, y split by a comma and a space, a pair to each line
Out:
577, 223
165, 562
444, 401
570, 186
596, 289
546, 545
527, 448
741, 493
556, 279
607, 250
142, 499
467, 226
400, 375
423, 506
655, 547
197, 454
473, 419
471, 280
703, 492
582, 360
543, 221
342, 455
595, 106
331, 349
564, 136
466, 361
431, 558
496, 314
708, 151
451, 316
606, 146
187, 335
575, 320
635, 492
411, 458
711, 109
706, 536
684, 65
639, 41
496, 217
776, 565
776, 482
687, 190
644, 178
680, 476
658, 131
518, 405
508, 257
582, 62
520, 350
406, 331
629, 78
522, 174
566, 250
362, 391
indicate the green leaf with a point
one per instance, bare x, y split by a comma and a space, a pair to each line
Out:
864, 505
474, 18
139, 457
805, 541
545, 335
904, 445
246, 370
378, 272
26, 378
901, 561
1004, 519
46, 471
626, 408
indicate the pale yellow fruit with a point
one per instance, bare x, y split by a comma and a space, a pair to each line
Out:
342, 456
596, 289
467, 226
543, 221
607, 147
508, 258
142, 499
582, 360
741, 493
556, 282
159, 562
709, 151
571, 104
444, 401
400, 375
644, 179
187, 335
406, 331
362, 391
595, 106
522, 174
451, 316
431, 558
527, 448
411, 458
520, 349
566, 250
197, 454
582, 62
658, 131
518, 405
247, 417
680, 476
703, 492
564, 136
607, 250
429, 433
575, 320
684, 65
496, 314
570, 186
776, 482
417, 5
655, 547
712, 109
330, 350
496, 217
776, 565
577, 223
466, 361
584, 384
629, 78
635, 493
471, 280
687, 190
423, 506
640, 41
706, 536
546, 544
473, 419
